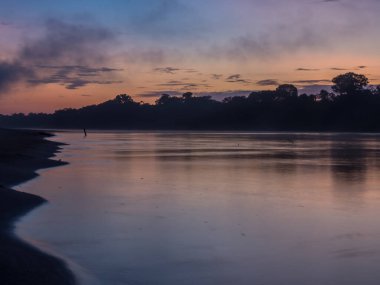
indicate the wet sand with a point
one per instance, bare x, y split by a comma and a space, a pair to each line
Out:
22, 152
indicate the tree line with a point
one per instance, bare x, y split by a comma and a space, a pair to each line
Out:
353, 105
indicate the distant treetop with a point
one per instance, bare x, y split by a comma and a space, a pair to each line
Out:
349, 83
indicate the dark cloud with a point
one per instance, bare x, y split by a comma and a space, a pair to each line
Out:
347, 69
11, 73
173, 70
63, 43
217, 95
311, 81
237, 78
66, 73
191, 70
268, 82
76, 83
71, 82
338, 68
65, 55
76, 76
81, 69
170, 70
157, 94
220, 95
173, 83
4, 23
183, 85
216, 76
307, 69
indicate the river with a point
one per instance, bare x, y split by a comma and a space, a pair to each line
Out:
208, 208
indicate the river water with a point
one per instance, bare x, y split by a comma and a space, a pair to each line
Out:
212, 208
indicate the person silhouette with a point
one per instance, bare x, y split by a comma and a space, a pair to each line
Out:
85, 132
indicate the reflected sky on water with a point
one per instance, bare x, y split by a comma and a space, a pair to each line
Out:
213, 208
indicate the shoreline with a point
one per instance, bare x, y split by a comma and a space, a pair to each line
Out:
22, 153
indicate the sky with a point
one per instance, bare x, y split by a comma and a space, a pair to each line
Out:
72, 53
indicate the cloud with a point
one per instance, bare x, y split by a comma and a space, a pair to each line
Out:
347, 69
237, 78
220, 95
66, 74
11, 73
76, 83
217, 95
157, 94
311, 81
295, 27
63, 42
170, 70
81, 69
165, 19
279, 39
216, 76
307, 69
184, 86
4, 23
191, 70
268, 82
71, 82
173, 70
64, 55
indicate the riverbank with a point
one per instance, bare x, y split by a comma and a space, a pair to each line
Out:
22, 153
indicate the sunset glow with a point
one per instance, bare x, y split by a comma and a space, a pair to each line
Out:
57, 55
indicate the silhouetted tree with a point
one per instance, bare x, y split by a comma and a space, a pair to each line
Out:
280, 109
262, 96
123, 99
187, 95
326, 96
234, 100
286, 91
307, 98
377, 90
349, 83
164, 99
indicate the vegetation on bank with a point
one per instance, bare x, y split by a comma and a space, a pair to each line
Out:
354, 105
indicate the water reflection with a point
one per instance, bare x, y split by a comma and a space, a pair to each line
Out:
215, 208
349, 160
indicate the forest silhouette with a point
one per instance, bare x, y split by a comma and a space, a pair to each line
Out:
354, 105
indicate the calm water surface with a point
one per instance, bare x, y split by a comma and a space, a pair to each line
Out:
213, 208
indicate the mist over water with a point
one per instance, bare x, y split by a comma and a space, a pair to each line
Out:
213, 208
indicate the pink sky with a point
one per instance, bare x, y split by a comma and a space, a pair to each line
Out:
79, 53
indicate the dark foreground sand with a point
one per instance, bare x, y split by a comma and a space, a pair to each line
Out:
21, 154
